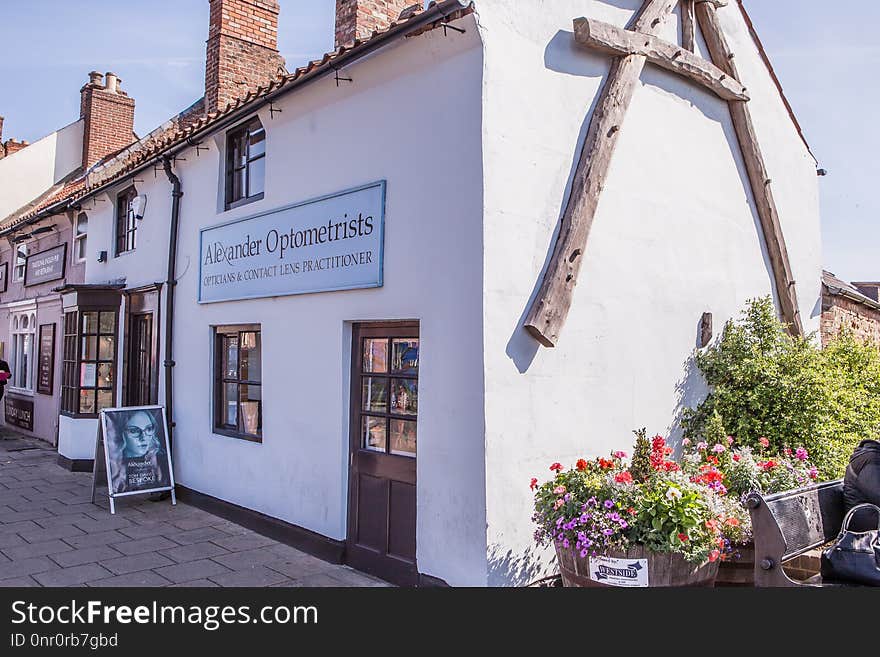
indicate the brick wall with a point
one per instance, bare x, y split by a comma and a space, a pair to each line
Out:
242, 51
12, 146
839, 312
108, 119
360, 18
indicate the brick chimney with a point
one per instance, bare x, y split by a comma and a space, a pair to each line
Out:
11, 145
358, 19
108, 113
242, 49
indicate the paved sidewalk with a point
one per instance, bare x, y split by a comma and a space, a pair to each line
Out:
51, 535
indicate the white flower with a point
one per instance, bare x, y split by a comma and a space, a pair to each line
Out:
673, 494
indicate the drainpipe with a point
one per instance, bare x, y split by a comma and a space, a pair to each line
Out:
171, 283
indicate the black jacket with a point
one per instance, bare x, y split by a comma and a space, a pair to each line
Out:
862, 480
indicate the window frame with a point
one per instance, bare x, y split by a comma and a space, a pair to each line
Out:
125, 223
72, 360
244, 130
22, 252
80, 238
219, 336
18, 333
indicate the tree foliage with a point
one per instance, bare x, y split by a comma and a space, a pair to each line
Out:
766, 383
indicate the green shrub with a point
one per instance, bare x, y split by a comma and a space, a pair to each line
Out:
766, 383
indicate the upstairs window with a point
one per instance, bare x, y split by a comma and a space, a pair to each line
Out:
126, 223
245, 164
21, 256
80, 232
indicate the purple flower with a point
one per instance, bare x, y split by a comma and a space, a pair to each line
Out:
614, 517
587, 542
559, 522
584, 553
801, 454
585, 518
607, 532
623, 524
567, 497
566, 544
592, 501
608, 504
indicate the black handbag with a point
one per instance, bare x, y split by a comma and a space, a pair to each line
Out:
855, 555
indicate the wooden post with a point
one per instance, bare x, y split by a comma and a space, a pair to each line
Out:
550, 307
761, 184
688, 26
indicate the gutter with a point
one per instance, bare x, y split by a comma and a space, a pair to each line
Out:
437, 12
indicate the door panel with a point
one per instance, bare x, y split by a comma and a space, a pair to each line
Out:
384, 403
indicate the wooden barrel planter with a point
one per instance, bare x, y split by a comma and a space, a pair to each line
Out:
738, 572
664, 568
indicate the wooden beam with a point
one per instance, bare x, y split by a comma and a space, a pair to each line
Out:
550, 307
617, 41
759, 178
688, 26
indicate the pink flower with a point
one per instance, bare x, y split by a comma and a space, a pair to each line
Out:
556, 467
559, 503
786, 451
719, 448
686, 442
814, 473
730, 440
559, 490
764, 442
801, 454
619, 455
702, 445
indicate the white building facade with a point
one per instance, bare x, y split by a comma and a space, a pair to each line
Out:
373, 393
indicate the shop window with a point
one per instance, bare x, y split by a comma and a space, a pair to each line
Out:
245, 164
126, 222
238, 397
80, 236
23, 338
21, 255
89, 362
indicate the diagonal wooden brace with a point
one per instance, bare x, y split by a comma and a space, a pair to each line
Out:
550, 307
759, 179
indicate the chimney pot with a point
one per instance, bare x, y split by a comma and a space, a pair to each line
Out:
112, 82
96, 78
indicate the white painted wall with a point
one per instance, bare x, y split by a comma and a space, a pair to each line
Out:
28, 173
411, 117
76, 437
675, 235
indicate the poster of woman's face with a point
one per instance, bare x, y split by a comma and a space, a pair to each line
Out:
136, 445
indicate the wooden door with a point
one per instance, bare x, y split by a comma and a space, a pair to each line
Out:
382, 481
140, 360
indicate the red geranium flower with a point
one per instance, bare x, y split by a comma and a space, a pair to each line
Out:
623, 477
736, 457
534, 484
581, 465
605, 464
764, 442
631, 511
682, 537
713, 555
556, 467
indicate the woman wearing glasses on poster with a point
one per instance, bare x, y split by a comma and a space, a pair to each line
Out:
136, 450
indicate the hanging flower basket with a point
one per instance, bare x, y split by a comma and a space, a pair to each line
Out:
633, 567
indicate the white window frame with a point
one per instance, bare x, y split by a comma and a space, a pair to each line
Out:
20, 249
23, 330
80, 238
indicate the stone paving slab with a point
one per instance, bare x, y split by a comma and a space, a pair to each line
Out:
52, 535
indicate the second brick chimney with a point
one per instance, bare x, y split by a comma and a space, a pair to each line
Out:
108, 114
358, 19
242, 49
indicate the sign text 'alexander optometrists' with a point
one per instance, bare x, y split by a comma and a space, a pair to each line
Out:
332, 243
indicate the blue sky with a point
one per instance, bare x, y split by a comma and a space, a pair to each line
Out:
826, 60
